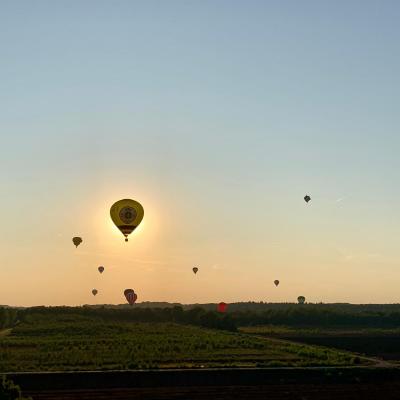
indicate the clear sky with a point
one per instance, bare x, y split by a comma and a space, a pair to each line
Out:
218, 116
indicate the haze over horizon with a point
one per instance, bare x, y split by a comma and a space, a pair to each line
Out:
218, 117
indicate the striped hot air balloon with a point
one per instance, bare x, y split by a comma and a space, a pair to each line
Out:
301, 299
131, 296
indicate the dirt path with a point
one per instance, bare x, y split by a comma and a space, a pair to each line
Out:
5, 332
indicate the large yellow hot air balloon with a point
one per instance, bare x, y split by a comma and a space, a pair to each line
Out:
127, 215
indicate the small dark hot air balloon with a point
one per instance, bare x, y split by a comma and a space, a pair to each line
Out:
94, 292
76, 241
221, 307
195, 269
127, 214
276, 282
101, 269
131, 296
301, 299
307, 198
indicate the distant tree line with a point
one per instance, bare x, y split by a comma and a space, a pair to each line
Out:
253, 306
195, 316
300, 316
311, 315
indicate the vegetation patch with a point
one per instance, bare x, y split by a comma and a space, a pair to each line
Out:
68, 341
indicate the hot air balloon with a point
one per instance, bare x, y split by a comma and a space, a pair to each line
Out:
131, 296
127, 215
276, 282
307, 198
101, 269
222, 307
94, 292
77, 241
301, 299
195, 269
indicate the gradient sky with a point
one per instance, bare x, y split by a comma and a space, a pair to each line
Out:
218, 116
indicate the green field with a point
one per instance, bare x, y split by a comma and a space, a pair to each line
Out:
79, 342
377, 342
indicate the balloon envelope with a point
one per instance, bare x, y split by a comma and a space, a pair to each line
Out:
126, 214
222, 307
301, 299
195, 269
276, 282
76, 241
94, 292
307, 198
101, 269
130, 296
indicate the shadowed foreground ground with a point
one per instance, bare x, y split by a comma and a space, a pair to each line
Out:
291, 383
271, 392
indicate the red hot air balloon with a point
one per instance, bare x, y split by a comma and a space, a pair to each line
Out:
222, 307
131, 296
101, 269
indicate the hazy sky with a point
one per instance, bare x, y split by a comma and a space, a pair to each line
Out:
218, 116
